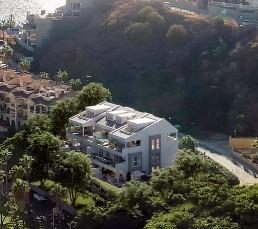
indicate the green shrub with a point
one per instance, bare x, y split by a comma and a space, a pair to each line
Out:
156, 21
145, 12
139, 31
176, 35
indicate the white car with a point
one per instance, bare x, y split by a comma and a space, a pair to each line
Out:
39, 198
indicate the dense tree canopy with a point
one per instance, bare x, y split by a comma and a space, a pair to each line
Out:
73, 171
187, 142
45, 149
195, 194
39, 123
176, 35
92, 94
145, 12
60, 114
139, 31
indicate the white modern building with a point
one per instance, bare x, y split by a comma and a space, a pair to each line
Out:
120, 139
74, 7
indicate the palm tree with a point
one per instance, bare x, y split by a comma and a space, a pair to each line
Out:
76, 84
7, 52
10, 23
4, 156
58, 192
3, 27
20, 190
61, 76
43, 75
25, 64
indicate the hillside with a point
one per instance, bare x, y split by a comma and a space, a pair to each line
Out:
205, 77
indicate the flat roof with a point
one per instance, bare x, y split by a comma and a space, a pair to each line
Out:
128, 114
117, 112
98, 107
141, 121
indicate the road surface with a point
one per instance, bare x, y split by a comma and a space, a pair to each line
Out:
224, 158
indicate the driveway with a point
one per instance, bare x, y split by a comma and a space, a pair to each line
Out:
222, 155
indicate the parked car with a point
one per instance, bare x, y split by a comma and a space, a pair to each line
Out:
38, 197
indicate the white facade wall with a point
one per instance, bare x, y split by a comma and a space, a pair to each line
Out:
169, 149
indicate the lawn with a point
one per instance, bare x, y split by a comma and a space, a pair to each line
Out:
106, 186
82, 201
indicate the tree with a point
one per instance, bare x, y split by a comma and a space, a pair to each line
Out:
25, 64
23, 169
92, 94
58, 193
45, 149
8, 52
215, 223
61, 76
191, 164
3, 27
176, 35
188, 142
145, 12
176, 218
10, 22
76, 84
20, 189
39, 123
60, 114
139, 31
43, 75
5, 155
74, 173
137, 200
218, 23
156, 21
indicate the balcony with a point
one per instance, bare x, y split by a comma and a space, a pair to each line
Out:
23, 106
100, 143
110, 164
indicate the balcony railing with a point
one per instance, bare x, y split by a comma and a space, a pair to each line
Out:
110, 165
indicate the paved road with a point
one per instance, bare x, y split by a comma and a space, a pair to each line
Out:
224, 158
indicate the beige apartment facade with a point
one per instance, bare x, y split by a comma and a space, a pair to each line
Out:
22, 95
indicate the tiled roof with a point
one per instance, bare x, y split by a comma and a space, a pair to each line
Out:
6, 88
41, 100
22, 93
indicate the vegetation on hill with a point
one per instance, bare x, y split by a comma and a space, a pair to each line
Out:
166, 62
195, 194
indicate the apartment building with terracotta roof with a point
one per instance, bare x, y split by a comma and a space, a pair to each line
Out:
23, 95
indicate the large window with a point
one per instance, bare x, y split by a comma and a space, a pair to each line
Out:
76, 6
152, 144
135, 161
157, 143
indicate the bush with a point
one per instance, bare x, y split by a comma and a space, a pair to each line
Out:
218, 22
176, 35
145, 12
156, 21
188, 142
139, 31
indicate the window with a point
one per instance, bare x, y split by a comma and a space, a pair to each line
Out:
135, 161
152, 144
157, 160
90, 114
152, 159
157, 143
76, 6
138, 142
